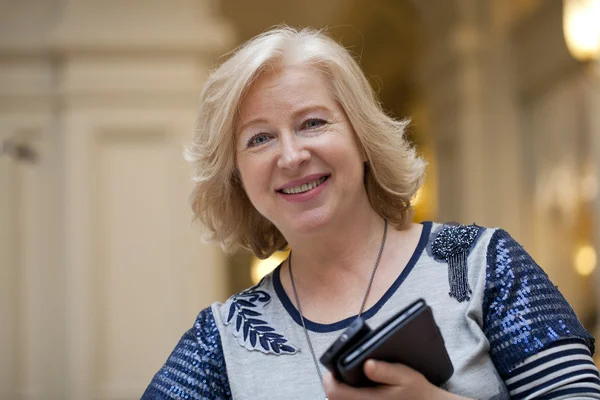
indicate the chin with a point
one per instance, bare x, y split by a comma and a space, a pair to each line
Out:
309, 222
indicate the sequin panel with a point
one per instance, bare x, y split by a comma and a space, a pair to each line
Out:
196, 368
523, 311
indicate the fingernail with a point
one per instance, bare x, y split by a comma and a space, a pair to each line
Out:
327, 378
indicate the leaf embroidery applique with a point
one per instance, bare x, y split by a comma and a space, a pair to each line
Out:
250, 327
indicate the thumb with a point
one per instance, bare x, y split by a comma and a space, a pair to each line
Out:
387, 373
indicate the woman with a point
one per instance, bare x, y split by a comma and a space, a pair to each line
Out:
293, 149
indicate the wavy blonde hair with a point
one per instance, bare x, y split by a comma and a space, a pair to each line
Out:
393, 171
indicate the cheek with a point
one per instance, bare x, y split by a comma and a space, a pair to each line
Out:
250, 188
346, 152
245, 168
254, 177
353, 166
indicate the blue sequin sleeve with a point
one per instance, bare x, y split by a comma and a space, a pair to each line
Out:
523, 312
196, 368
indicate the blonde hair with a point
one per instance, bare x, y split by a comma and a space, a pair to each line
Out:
393, 171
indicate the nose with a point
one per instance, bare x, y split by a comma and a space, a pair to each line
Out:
292, 153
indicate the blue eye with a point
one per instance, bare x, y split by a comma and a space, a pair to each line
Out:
257, 140
313, 123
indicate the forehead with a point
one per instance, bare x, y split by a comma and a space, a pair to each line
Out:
286, 88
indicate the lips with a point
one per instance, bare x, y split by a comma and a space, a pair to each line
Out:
313, 180
305, 187
312, 190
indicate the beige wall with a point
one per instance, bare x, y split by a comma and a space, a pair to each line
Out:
101, 268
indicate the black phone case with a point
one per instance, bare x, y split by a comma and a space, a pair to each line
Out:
416, 342
357, 330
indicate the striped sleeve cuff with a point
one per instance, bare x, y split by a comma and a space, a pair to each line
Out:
563, 371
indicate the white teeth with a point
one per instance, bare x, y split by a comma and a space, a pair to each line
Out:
305, 187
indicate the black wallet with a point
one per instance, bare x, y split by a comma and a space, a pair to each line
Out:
411, 337
357, 330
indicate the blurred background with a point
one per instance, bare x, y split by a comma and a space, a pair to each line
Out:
101, 267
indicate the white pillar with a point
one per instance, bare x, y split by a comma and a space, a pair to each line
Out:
8, 276
453, 76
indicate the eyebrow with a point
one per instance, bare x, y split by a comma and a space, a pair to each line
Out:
302, 110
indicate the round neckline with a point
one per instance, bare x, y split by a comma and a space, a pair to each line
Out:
319, 327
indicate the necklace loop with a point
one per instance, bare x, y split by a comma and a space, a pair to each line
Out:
362, 306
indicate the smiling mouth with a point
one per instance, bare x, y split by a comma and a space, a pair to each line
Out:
305, 187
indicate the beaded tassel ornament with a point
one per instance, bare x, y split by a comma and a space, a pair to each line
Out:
452, 246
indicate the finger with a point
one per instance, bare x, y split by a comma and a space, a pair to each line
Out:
388, 373
329, 382
336, 390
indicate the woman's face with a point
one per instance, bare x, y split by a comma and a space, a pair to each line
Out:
297, 153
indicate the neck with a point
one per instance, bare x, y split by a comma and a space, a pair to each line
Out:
348, 246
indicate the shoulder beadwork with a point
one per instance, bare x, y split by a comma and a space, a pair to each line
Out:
245, 317
452, 244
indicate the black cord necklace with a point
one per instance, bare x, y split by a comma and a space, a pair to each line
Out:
362, 306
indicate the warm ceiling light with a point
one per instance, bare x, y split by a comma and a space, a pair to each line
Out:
581, 25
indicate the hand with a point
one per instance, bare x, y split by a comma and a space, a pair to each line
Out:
397, 382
